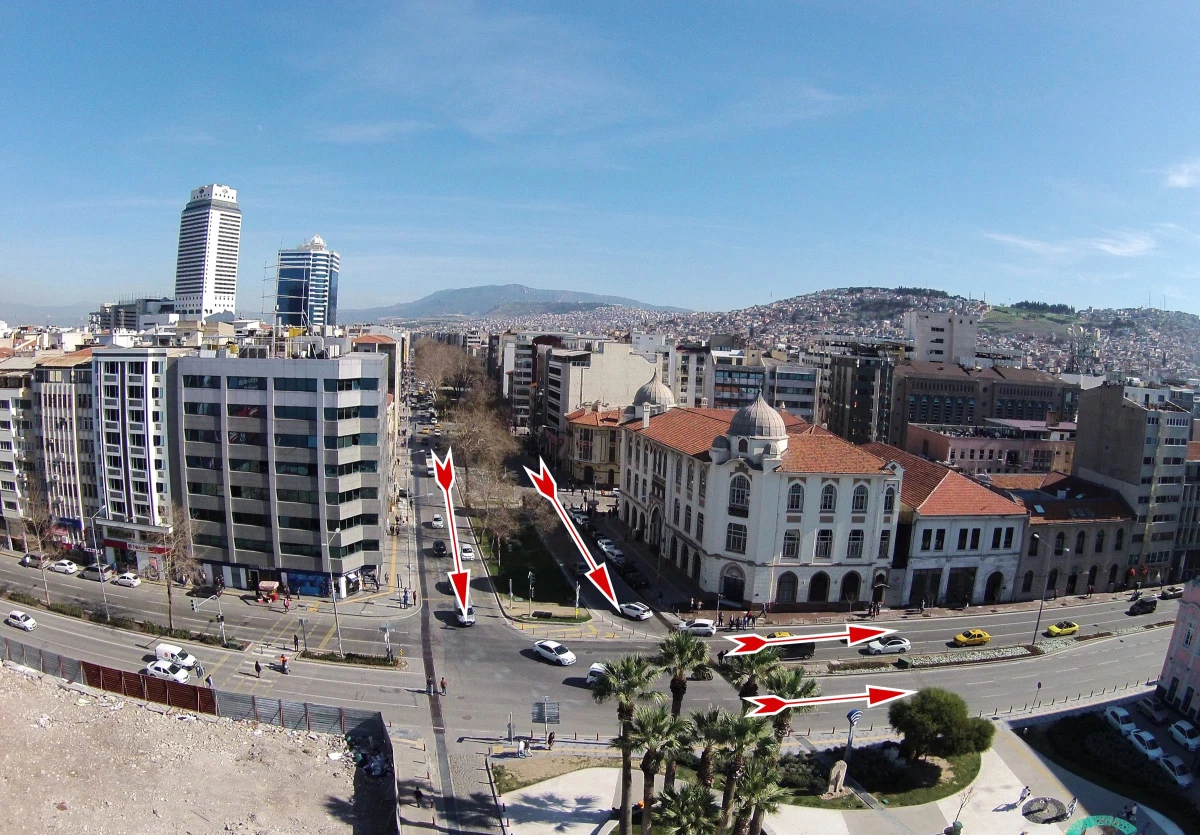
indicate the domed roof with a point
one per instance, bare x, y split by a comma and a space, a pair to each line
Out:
654, 393
758, 420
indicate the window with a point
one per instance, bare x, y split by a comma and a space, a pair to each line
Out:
1033, 545
940, 540
700, 526
200, 436
675, 513
297, 412
296, 441
1080, 542
854, 545
739, 496
1008, 537
298, 496
190, 408
204, 514
996, 534
247, 465
263, 546
200, 462
291, 468
1189, 633
1099, 545
247, 383
889, 500
356, 384
1027, 582
352, 467
248, 438
1060, 544
691, 475
258, 520
885, 544
795, 498
824, 549
300, 523
201, 381
1119, 540
243, 491
687, 519
962, 539
295, 384
975, 532
828, 498
351, 495
926, 539
356, 439
703, 483
735, 538
678, 472
858, 504
791, 545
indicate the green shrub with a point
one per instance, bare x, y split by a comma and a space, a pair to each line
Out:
116, 623
876, 771
803, 774
67, 609
352, 658
23, 598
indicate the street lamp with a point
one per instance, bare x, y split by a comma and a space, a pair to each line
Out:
100, 565
530, 594
333, 591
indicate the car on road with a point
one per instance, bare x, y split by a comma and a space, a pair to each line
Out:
35, 561
95, 571
437, 521
636, 581
1153, 710
1177, 770
1170, 593
615, 555
129, 580
430, 472
64, 567
1143, 606
20, 620
636, 611
594, 673
1120, 720
972, 638
1145, 742
580, 569
605, 544
467, 551
1185, 733
1062, 629
439, 548
555, 653
703, 627
168, 671
466, 618
892, 644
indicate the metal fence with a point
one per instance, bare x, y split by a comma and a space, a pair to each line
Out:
42, 660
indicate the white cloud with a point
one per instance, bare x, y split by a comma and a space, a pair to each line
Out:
370, 132
1124, 245
1118, 244
1028, 244
1184, 174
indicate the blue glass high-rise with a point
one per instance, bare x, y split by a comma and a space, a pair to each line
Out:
306, 285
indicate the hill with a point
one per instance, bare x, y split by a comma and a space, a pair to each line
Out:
17, 313
491, 300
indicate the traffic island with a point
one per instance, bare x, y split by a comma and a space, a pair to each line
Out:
356, 658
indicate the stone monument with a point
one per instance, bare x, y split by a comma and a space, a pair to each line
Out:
837, 777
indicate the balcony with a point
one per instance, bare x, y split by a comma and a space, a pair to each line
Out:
741, 511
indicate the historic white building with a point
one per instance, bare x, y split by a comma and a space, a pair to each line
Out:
757, 505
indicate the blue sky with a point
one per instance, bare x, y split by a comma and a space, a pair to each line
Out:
704, 155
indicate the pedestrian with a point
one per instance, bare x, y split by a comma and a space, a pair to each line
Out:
1071, 806
429, 685
550, 741
385, 578
418, 797
208, 681
720, 618
521, 748
443, 683
258, 669
287, 605
1024, 794
922, 609
296, 643
1133, 812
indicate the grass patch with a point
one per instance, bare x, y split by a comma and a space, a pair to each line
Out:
931, 782
516, 774
353, 658
528, 553
555, 619
848, 801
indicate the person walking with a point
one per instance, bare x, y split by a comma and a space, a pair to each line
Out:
550, 741
443, 684
258, 669
418, 796
296, 642
208, 681
1024, 794
429, 685
1071, 806
287, 605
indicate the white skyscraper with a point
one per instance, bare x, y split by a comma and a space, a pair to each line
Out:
307, 285
210, 234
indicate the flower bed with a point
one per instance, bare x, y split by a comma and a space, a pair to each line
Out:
942, 659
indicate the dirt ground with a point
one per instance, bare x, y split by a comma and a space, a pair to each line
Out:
519, 773
109, 765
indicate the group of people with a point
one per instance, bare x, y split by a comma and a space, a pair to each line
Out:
738, 622
429, 685
523, 749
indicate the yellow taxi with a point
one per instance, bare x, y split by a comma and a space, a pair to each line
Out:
1063, 627
779, 635
971, 638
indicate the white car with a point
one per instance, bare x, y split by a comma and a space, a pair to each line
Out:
167, 670
468, 551
466, 618
64, 567
616, 556
594, 673
605, 544
636, 611
555, 653
1120, 720
128, 579
438, 521
893, 644
703, 627
21, 621
1185, 733
1145, 742
1177, 770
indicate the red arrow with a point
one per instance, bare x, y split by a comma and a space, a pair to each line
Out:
854, 635
598, 573
769, 705
459, 579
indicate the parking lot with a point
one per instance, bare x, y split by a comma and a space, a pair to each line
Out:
1145, 722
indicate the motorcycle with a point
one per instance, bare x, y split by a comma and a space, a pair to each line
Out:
1135, 595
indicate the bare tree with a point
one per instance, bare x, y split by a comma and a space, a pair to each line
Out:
40, 525
481, 441
177, 558
435, 363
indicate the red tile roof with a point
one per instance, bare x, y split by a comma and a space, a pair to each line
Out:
1024, 481
934, 490
824, 452
81, 357
587, 417
374, 338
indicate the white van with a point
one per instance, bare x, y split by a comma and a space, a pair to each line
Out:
175, 655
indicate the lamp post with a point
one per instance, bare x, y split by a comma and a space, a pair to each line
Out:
337, 622
100, 566
531, 594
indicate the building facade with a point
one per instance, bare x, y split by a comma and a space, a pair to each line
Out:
858, 408
1187, 538
690, 369
65, 421
1180, 679
210, 236
306, 285
592, 453
1001, 446
19, 450
606, 372
942, 336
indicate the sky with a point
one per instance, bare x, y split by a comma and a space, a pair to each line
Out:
705, 155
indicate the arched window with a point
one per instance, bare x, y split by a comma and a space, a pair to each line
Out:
1027, 582
733, 583
703, 482
1099, 546
791, 545
851, 587
678, 471
743, 446
675, 513
1033, 545
828, 498
739, 495
889, 500
1080, 542
859, 503
1060, 544
691, 479
824, 549
1052, 580
785, 589
796, 498
818, 588
1119, 540
735, 538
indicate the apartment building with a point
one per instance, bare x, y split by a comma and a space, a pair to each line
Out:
736, 377
604, 372
592, 453
793, 387
284, 467
1139, 450
19, 450
65, 423
957, 542
858, 408
520, 368
943, 336
1180, 678
1187, 538
1000, 446
820, 355
691, 367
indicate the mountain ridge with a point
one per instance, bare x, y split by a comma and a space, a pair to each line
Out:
491, 299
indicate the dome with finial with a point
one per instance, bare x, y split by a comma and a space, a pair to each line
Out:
758, 420
654, 393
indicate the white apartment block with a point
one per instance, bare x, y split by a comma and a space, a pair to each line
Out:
942, 337
609, 373
691, 366
65, 419
210, 235
18, 447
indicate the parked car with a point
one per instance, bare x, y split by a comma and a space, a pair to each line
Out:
555, 653
466, 618
972, 638
128, 579
594, 672
605, 544
168, 671
95, 571
703, 627
1062, 629
580, 569
1145, 742
175, 655
636, 611
20, 620
1153, 710
1143, 606
1120, 720
798, 652
615, 555
64, 567
1170, 593
637, 582
1185, 733
438, 521
893, 644
467, 551
439, 548
35, 561
1177, 770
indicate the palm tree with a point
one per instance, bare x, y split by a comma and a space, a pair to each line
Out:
680, 655
627, 680
740, 735
661, 735
690, 810
759, 794
707, 727
789, 683
749, 670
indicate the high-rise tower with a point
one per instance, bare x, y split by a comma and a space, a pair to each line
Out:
210, 235
306, 288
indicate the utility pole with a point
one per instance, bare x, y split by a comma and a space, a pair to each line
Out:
100, 565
